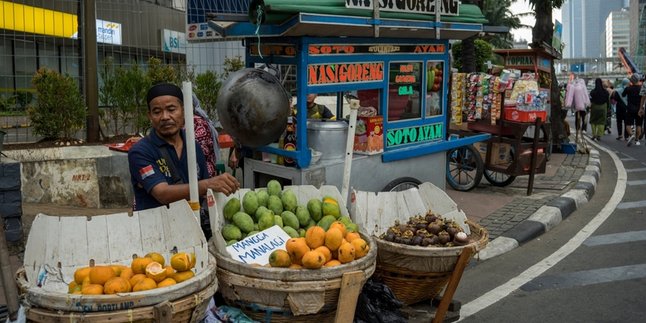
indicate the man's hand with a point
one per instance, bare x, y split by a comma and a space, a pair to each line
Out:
224, 183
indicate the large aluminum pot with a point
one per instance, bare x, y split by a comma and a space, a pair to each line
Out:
328, 136
253, 107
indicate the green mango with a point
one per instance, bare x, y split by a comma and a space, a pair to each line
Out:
231, 232
278, 220
266, 221
274, 188
231, 207
263, 197
303, 215
243, 221
314, 207
250, 202
259, 211
275, 204
326, 221
291, 232
290, 220
289, 200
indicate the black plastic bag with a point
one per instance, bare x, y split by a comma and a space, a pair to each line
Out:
377, 303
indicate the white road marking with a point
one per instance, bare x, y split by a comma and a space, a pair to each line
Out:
513, 284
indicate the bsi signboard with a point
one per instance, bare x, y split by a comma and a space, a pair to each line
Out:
446, 7
108, 32
173, 41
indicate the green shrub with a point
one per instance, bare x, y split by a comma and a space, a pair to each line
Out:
59, 111
207, 85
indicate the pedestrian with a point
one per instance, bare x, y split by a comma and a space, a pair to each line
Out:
577, 98
159, 163
600, 101
634, 114
642, 105
611, 107
621, 104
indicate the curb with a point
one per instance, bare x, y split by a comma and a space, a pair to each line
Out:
550, 214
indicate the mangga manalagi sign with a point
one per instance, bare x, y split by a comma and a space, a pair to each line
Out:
416, 134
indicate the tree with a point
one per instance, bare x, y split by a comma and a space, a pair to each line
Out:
207, 86
483, 53
542, 34
498, 14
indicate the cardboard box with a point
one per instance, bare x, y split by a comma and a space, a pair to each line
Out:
481, 147
369, 135
501, 153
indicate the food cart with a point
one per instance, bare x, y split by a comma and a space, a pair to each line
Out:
394, 65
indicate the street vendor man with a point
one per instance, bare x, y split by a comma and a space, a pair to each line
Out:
317, 111
159, 163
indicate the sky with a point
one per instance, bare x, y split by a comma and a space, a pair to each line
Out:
521, 6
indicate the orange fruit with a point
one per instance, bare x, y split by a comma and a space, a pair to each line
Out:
118, 268
73, 287
116, 285
339, 225
144, 284
101, 274
127, 273
155, 256
296, 248
326, 252
315, 237
181, 261
193, 259
135, 279
92, 289
361, 248
352, 235
169, 271
80, 274
139, 264
295, 266
166, 282
346, 253
155, 271
313, 259
181, 276
333, 239
332, 263
279, 258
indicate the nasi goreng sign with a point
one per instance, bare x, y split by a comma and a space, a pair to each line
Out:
446, 7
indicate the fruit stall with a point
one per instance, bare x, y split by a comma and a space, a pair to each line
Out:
152, 265
393, 68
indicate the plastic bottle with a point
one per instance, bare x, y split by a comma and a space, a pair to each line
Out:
290, 141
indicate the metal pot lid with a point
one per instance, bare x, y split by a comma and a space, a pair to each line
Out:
313, 124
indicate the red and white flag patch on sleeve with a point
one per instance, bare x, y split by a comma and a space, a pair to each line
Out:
146, 171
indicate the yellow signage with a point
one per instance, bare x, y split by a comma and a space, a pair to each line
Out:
35, 20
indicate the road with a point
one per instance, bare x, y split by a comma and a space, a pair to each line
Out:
589, 268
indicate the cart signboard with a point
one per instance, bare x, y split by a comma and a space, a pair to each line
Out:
449, 8
256, 248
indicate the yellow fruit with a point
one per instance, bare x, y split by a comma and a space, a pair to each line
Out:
80, 274
326, 252
169, 271
139, 264
156, 257
361, 248
333, 239
181, 276
155, 271
117, 269
279, 258
86, 281
346, 253
193, 259
339, 225
315, 237
73, 287
352, 235
101, 274
295, 266
144, 284
135, 279
296, 248
332, 263
166, 282
181, 261
313, 260
116, 285
127, 273
92, 289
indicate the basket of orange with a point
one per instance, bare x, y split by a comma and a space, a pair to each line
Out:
306, 263
118, 267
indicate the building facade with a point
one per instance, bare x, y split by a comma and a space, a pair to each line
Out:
583, 22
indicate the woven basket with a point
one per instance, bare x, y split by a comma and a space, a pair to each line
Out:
416, 274
288, 295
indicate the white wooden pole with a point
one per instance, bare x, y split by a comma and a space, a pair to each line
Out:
194, 200
349, 148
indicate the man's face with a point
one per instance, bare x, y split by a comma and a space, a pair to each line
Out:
310, 99
166, 114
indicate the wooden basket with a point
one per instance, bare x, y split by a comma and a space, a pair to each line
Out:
416, 273
191, 308
289, 295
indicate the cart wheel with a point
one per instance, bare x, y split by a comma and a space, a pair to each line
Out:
402, 184
464, 168
497, 178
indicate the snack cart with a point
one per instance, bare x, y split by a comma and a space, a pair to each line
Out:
392, 66
520, 142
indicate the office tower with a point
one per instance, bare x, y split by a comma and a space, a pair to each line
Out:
583, 22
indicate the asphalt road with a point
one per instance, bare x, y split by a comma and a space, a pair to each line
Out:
590, 268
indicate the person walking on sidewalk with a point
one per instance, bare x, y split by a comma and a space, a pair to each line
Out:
621, 104
634, 113
600, 102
